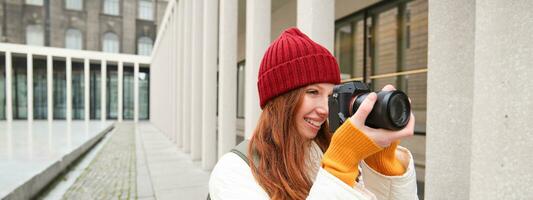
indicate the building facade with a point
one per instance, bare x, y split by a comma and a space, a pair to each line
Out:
116, 26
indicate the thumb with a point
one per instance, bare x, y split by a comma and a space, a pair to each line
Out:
365, 108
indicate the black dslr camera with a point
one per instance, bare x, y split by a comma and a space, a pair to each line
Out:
391, 111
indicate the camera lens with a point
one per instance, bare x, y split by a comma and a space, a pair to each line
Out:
399, 109
391, 110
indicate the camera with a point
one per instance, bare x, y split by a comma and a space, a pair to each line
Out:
391, 111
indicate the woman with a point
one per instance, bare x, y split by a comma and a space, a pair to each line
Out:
297, 158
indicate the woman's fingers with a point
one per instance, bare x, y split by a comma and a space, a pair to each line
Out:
407, 131
365, 109
388, 87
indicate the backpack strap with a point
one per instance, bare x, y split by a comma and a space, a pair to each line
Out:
242, 151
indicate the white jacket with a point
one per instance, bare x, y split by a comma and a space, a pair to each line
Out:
232, 179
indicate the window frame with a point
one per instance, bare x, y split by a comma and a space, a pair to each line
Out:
80, 38
139, 45
67, 7
109, 33
141, 8
109, 12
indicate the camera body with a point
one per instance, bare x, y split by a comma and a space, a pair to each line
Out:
391, 111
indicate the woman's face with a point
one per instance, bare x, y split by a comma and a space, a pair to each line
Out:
313, 111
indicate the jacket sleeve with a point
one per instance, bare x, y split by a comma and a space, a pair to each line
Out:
327, 186
401, 187
232, 179
375, 185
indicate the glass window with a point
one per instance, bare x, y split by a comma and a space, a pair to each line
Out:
19, 88
59, 89
127, 93
111, 7
2, 87
94, 90
386, 41
146, 10
144, 46
40, 89
74, 4
396, 41
112, 91
78, 90
35, 2
344, 50
34, 35
144, 93
73, 39
110, 43
240, 89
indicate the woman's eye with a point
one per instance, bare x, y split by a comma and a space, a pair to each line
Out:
312, 91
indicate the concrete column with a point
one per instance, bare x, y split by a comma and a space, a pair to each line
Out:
103, 89
479, 108
173, 64
209, 100
449, 115
86, 87
257, 41
136, 92
227, 96
120, 92
196, 75
50, 85
29, 83
316, 18
178, 66
186, 116
69, 89
9, 87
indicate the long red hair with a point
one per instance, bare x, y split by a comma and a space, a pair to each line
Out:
282, 151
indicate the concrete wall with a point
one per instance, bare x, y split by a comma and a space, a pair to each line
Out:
479, 137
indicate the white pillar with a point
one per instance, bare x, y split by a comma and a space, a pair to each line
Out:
209, 84
173, 65
120, 92
9, 94
316, 18
257, 41
479, 100
178, 65
196, 87
136, 92
86, 71
186, 107
69, 89
103, 91
50, 85
29, 83
227, 96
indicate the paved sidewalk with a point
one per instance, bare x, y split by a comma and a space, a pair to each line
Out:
164, 172
112, 173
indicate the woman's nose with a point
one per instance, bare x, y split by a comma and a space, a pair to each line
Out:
322, 110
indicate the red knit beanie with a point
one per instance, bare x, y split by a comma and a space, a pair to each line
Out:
292, 61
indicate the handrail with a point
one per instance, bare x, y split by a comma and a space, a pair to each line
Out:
416, 71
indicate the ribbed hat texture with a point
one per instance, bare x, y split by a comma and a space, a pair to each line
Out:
292, 61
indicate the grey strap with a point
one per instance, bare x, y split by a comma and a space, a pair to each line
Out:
242, 151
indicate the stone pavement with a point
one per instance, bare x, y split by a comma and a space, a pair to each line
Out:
137, 161
164, 172
112, 173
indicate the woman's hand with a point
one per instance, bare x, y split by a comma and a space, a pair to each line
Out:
381, 137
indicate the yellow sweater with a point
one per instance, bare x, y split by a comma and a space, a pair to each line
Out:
342, 158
